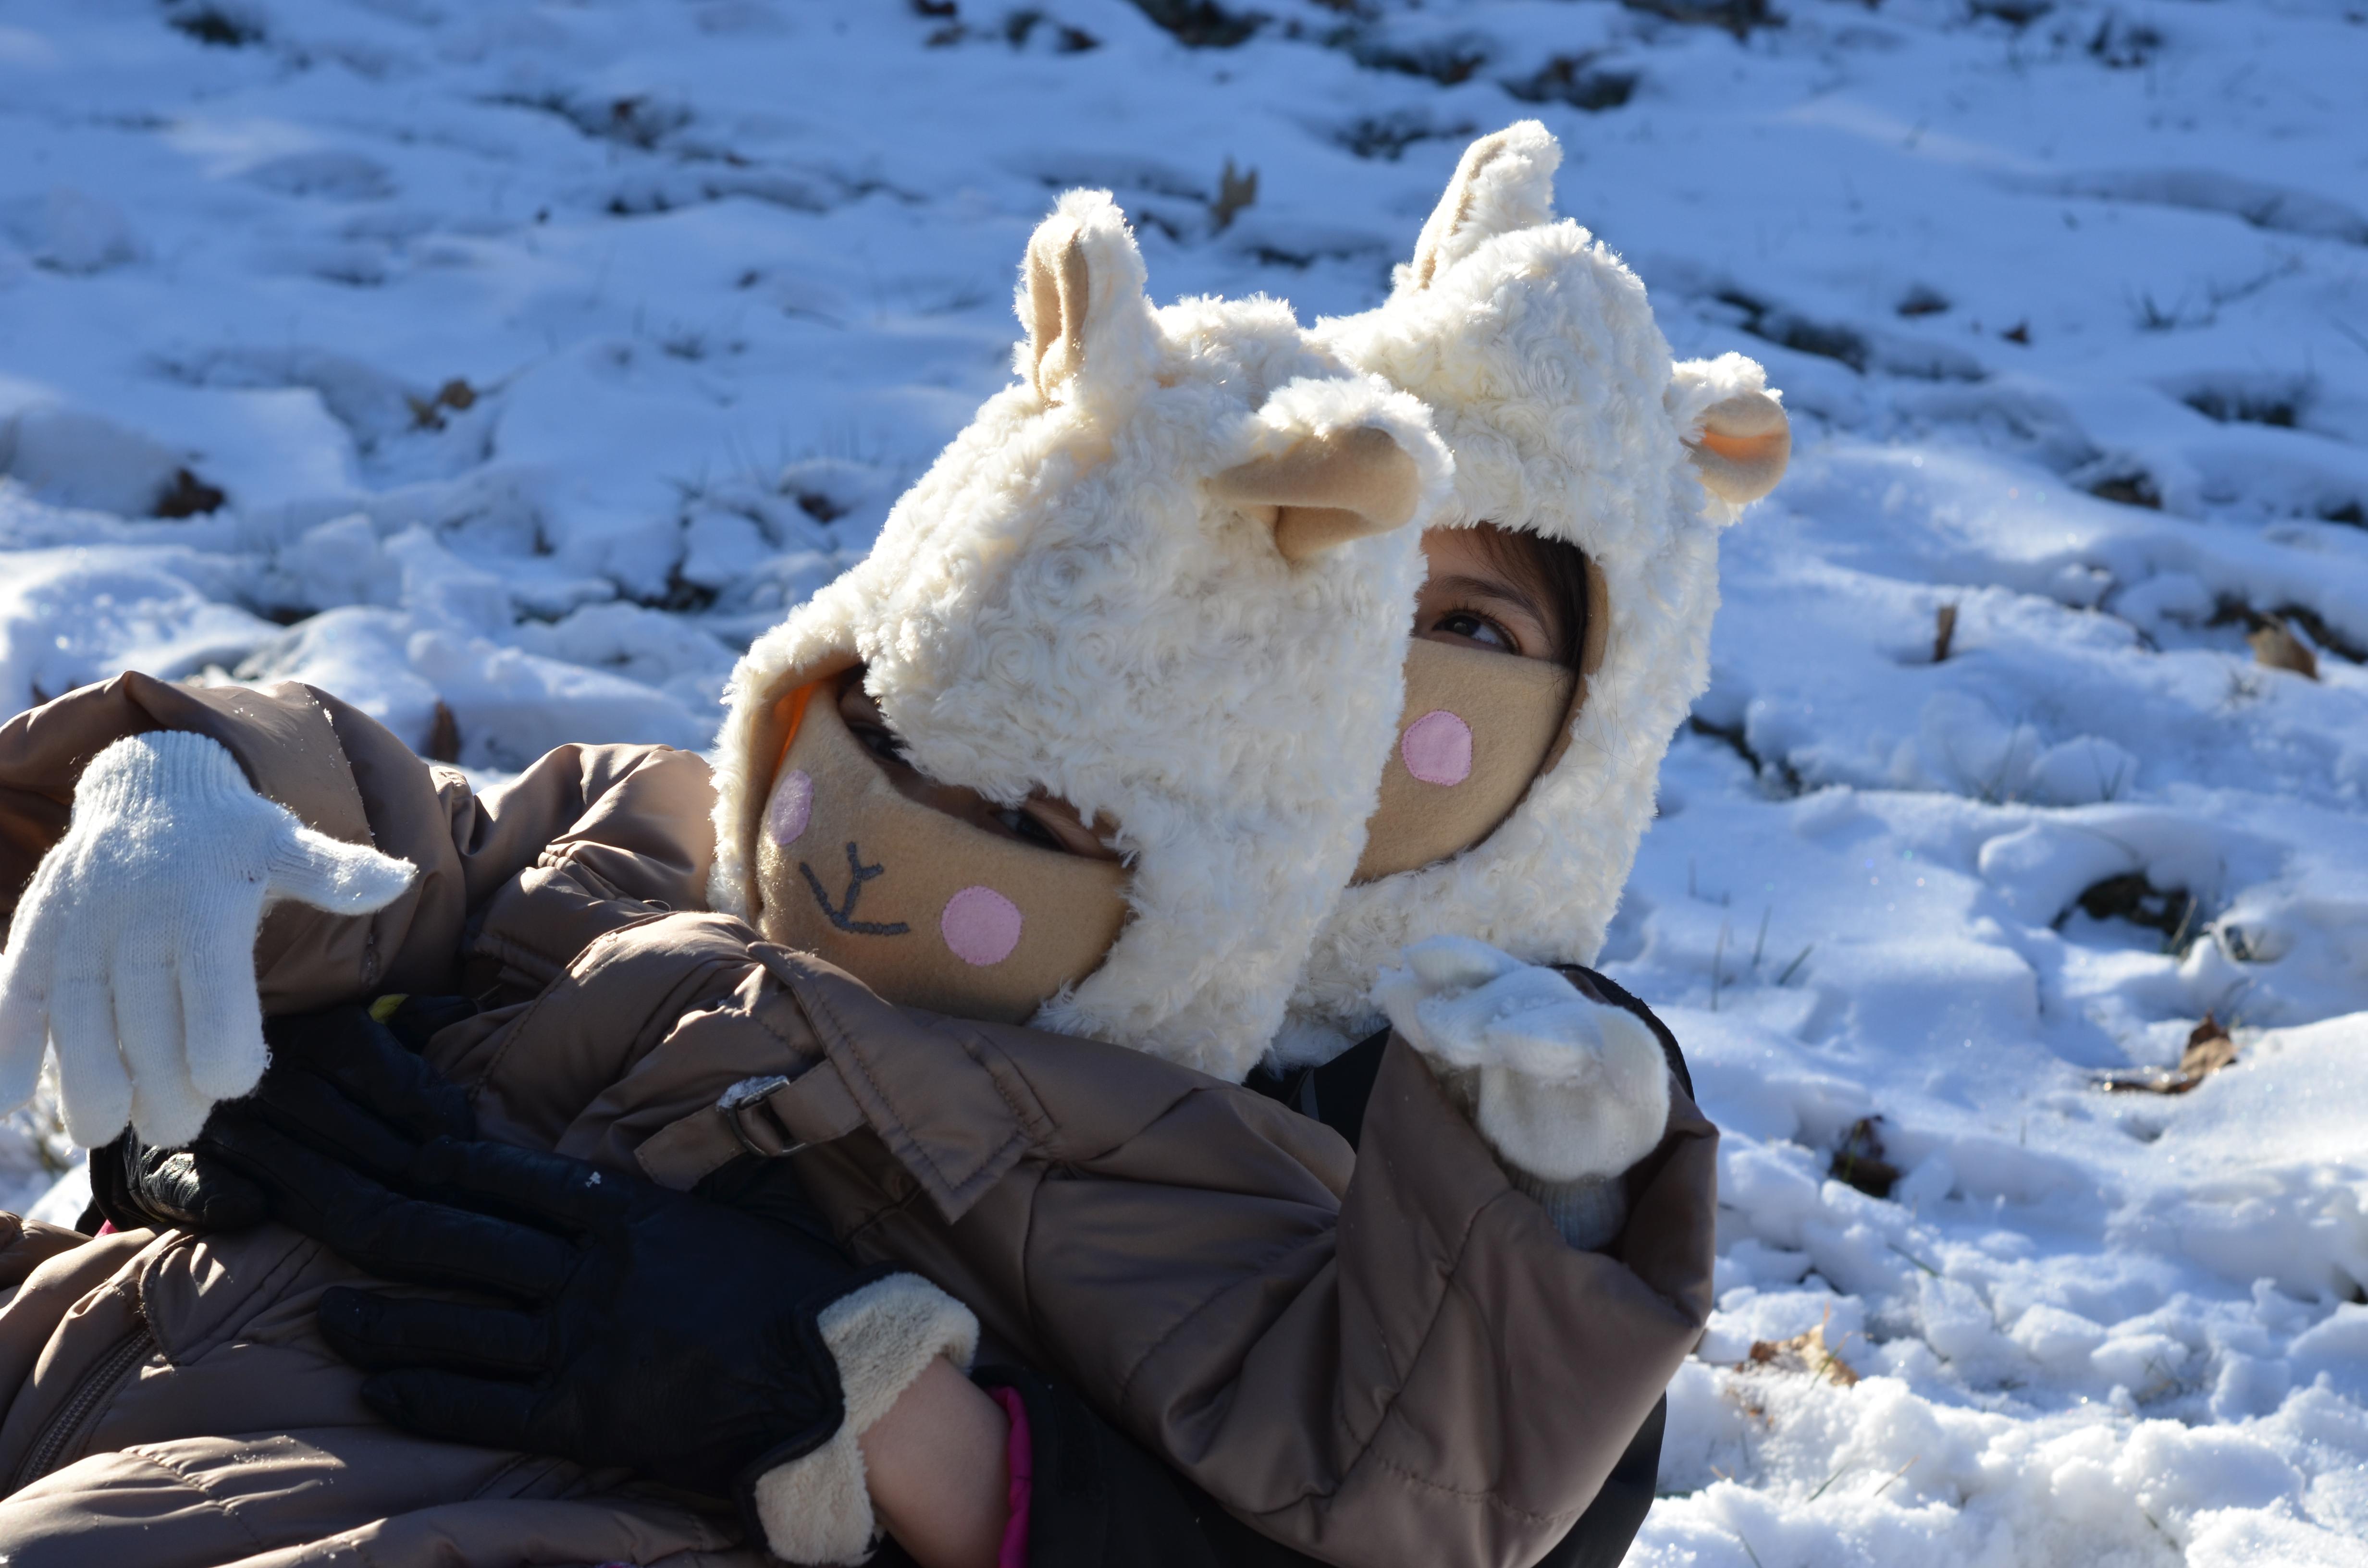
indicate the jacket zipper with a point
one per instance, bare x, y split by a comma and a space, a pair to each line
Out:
90, 1395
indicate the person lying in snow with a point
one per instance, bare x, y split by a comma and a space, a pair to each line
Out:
583, 852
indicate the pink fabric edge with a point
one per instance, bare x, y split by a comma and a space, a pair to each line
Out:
1019, 1459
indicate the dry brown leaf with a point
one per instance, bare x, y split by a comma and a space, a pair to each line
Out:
443, 736
186, 495
1806, 1353
1234, 191
2209, 1049
2276, 648
1859, 1162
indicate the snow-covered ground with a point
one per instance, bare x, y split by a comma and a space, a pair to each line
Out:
538, 354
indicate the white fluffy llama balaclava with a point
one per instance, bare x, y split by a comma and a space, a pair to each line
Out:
1164, 578
1554, 390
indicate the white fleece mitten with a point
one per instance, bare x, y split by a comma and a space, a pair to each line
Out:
133, 946
1568, 1092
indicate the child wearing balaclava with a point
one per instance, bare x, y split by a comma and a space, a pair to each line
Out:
1157, 587
1513, 804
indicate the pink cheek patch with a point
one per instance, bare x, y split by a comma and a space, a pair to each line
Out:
981, 925
1438, 748
792, 805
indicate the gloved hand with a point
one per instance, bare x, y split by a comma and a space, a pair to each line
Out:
1562, 1089
651, 1330
133, 946
136, 1187
691, 1340
340, 1081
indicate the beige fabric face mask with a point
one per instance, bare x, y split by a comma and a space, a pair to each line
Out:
927, 910
1478, 726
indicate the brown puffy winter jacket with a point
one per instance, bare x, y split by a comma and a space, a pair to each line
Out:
1379, 1358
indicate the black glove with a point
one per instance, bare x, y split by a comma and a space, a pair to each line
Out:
653, 1330
339, 1080
134, 1187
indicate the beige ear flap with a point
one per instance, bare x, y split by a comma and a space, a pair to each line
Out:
1081, 297
1504, 182
1745, 445
1326, 490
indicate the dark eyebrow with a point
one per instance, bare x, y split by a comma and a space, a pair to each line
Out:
1519, 597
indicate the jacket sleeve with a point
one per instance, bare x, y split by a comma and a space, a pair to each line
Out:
634, 816
1390, 1357
1483, 1377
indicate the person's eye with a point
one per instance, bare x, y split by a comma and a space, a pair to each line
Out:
880, 741
1477, 628
1022, 825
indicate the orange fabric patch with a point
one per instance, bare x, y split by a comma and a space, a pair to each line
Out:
790, 711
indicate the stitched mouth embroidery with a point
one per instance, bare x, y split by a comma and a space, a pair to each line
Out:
843, 914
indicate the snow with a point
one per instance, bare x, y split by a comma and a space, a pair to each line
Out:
543, 352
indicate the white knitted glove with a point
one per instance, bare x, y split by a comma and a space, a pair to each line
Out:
133, 946
1565, 1090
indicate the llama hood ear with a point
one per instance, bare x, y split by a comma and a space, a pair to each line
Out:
1734, 429
1504, 182
1339, 460
1745, 444
1081, 299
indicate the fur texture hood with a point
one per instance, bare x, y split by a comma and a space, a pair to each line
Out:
1165, 578
1538, 353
